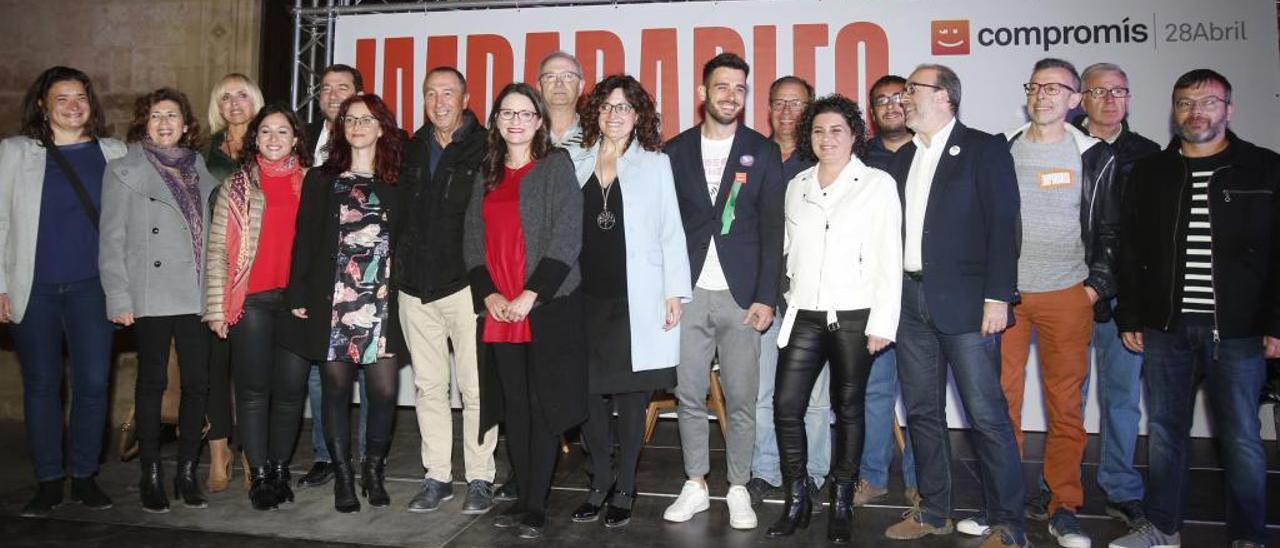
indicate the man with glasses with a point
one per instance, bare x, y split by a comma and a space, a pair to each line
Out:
960, 202
788, 97
1200, 294
1106, 108
560, 83
1066, 265
891, 133
436, 311
729, 185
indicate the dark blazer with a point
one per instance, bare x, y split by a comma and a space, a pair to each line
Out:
971, 228
311, 272
312, 133
751, 253
551, 217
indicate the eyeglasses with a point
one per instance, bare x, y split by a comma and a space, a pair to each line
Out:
1051, 88
169, 116
885, 100
911, 87
362, 121
1100, 93
549, 78
1208, 104
621, 109
792, 105
508, 115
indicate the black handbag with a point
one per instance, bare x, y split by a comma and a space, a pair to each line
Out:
81, 192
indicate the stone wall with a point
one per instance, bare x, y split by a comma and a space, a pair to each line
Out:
128, 47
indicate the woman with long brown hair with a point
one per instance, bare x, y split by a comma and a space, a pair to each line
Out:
340, 287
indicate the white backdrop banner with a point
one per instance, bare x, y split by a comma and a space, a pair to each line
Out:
840, 46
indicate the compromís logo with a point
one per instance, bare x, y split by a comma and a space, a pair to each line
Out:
949, 37
1048, 36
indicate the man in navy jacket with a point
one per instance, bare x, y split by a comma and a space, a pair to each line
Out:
960, 198
729, 185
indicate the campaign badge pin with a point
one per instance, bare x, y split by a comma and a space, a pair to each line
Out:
747, 160
954, 150
740, 178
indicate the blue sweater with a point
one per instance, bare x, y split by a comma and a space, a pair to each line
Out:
67, 244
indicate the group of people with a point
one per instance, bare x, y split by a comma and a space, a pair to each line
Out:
560, 263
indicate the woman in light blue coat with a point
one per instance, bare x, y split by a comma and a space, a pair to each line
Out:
635, 278
50, 194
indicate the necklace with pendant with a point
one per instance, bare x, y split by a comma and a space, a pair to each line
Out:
606, 219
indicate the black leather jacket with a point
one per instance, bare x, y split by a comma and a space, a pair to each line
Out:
1099, 217
429, 251
1244, 211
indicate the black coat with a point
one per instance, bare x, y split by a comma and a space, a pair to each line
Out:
430, 247
1244, 208
311, 273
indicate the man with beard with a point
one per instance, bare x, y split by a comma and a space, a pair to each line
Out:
1067, 263
729, 185
891, 133
960, 262
560, 83
788, 97
1200, 295
435, 298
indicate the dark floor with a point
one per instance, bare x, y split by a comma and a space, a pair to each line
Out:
311, 521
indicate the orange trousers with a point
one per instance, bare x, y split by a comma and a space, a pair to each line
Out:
1063, 322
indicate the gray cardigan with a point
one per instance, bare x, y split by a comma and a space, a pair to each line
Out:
551, 216
144, 246
22, 163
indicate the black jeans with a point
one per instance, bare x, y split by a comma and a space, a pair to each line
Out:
532, 444
271, 382
337, 379
598, 437
219, 411
191, 338
813, 344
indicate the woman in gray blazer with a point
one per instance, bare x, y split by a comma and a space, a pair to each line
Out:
155, 204
49, 288
635, 279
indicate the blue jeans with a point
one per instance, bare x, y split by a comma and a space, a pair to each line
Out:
923, 355
878, 443
77, 313
1119, 394
765, 463
319, 449
1233, 370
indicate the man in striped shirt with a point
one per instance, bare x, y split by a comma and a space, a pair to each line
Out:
1200, 294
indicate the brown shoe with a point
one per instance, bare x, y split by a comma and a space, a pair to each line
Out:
1002, 537
865, 493
913, 527
220, 457
913, 496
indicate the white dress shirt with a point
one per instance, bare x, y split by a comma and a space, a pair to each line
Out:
843, 247
919, 181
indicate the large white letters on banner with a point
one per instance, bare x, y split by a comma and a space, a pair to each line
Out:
842, 46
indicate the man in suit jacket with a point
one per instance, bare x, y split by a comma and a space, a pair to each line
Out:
960, 197
730, 189
337, 83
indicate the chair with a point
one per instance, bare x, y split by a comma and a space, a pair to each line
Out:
665, 401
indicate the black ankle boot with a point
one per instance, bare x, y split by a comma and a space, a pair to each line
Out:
795, 514
619, 512
373, 473
48, 496
187, 488
151, 488
262, 493
840, 525
344, 488
86, 492
278, 476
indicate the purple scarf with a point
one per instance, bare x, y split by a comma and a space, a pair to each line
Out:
177, 166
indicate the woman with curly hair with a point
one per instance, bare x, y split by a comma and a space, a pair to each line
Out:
151, 251
635, 277
844, 260
340, 288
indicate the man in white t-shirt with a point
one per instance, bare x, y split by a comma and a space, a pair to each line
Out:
730, 188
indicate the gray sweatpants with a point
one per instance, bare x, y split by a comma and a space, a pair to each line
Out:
713, 321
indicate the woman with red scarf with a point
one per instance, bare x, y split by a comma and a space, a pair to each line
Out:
250, 243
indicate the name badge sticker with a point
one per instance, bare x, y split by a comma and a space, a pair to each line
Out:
1052, 178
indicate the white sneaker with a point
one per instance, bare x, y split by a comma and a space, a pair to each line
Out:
976, 526
693, 499
741, 516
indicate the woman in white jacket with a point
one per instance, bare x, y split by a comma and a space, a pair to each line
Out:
844, 261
